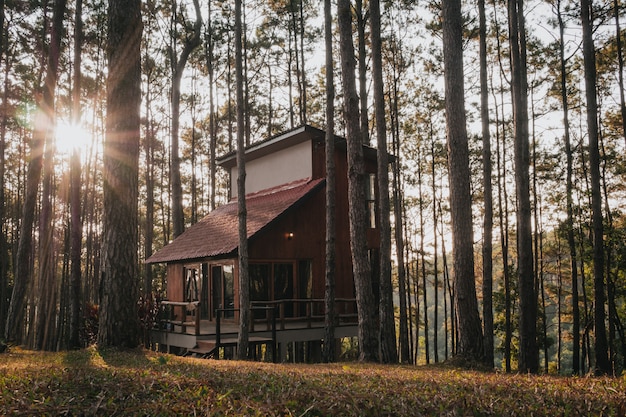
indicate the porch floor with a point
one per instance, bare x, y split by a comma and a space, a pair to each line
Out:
177, 341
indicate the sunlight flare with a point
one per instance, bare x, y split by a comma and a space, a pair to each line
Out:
70, 137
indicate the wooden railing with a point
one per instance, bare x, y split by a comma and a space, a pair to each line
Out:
345, 309
273, 313
219, 342
176, 313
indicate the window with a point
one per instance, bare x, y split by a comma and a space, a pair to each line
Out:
191, 284
223, 288
273, 281
370, 199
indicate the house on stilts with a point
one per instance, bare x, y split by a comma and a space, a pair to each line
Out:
286, 211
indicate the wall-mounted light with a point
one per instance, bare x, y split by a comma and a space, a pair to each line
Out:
289, 235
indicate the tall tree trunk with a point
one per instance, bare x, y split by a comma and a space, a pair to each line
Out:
614, 324
118, 323
435, 246
303, 89
244, 282
178, 66
386, 311
4, 246
528, 352
559, 315
149, 178
405, 325
603, 365
297, 54
328, 353
569, 188
503, 213
43, 129
487, 251
538, 236
209, 42
76, 228
193, 145
423, 262
620, 65
367, 329
470, 340
361, 22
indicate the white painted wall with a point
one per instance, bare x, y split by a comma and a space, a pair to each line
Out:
287, 165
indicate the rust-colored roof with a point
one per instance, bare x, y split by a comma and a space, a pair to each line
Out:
217, 233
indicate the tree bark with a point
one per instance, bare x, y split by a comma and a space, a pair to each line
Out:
328, 352
422, 253
603, 365
76, 228
470, 339
209, 42
178, 66
361, 22
389, 350
569, 189
620, 65
244, 283
487, 251
367, 328
528, 351
404, 285
119, 324
4, 247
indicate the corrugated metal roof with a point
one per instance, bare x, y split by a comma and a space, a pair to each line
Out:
217, 233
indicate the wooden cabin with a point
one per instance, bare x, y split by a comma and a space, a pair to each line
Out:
285, 201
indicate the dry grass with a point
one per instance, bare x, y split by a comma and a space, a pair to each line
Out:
91, 382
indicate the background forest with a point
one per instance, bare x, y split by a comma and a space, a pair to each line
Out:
189, 118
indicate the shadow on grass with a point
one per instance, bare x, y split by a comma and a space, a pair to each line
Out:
93, 356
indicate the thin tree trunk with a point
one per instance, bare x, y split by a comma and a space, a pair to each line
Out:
571, 242
404, 288
614, 325
620, 65
178, 66
303, 89
601, 345
194, 179
76, 229
487, 250
4, 247
435, 214
328, 353
244, 283
149, 144
386, 311
528, 352
361, 23
423, 262
212, 124
503, 210
559, 349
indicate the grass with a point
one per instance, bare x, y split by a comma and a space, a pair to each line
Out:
92, 382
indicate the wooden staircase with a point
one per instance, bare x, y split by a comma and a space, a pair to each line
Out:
205, 349
208, 349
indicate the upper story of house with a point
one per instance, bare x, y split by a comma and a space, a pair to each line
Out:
291, 156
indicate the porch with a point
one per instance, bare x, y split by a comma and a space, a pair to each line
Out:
274, 324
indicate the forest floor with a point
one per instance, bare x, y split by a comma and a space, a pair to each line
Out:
92, 382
